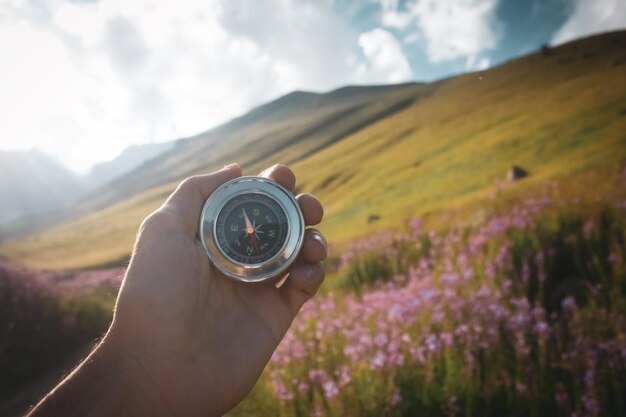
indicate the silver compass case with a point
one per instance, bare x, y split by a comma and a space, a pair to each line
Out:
251, 188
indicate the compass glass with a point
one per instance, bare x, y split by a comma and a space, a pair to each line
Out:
251, 228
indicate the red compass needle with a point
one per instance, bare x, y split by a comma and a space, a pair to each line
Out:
249, 227
250, 230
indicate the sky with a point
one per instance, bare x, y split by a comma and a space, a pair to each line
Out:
83, 79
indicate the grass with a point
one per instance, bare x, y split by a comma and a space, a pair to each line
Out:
395, 153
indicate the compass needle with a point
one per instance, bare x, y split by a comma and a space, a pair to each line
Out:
249, 227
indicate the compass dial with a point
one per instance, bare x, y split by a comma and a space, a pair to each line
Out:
251, 228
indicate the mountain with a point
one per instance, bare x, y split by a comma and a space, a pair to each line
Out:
378, 155
24, 214
32, 184
130, 158
286, 130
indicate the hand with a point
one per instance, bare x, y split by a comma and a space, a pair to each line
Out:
185, 339
199, 338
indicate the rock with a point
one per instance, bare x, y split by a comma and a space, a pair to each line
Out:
516, 173
372, 218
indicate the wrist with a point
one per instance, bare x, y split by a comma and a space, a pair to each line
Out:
161, 376
137, 391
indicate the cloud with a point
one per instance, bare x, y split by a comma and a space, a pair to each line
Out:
449, 29
125, 44
385, 59
83, 80
592, 16
474, 63
312, 46
458, 28
393, 17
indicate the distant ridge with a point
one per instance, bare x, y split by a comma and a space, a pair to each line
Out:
131, 158
31, 183
47, 192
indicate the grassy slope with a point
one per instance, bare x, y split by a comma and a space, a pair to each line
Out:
555, 115
395, 152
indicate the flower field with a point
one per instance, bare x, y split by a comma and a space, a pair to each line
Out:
521, 315
46, 316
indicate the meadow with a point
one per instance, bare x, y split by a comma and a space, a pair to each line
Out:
521, 313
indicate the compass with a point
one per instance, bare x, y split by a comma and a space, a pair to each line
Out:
252, 228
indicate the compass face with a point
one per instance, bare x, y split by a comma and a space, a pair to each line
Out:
251, 228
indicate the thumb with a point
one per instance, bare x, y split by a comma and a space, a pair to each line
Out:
189, 197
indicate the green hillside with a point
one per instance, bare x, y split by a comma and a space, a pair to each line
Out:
388, 153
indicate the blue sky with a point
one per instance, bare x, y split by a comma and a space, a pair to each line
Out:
83, 79
512, 28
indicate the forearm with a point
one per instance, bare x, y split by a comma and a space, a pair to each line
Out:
106, 383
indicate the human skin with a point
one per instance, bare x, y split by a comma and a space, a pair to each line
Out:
185, 339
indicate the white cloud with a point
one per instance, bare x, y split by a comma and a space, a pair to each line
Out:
42, 92
592, 16
82, 80
473, 63
458, 28
386, 61
394, 18
450, 29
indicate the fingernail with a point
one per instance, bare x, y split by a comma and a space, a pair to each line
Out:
319, 238
230, 166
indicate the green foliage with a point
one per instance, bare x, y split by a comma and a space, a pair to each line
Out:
566, 258
364, 273
369, 266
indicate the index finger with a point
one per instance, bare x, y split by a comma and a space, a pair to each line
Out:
282, 174
312, 209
